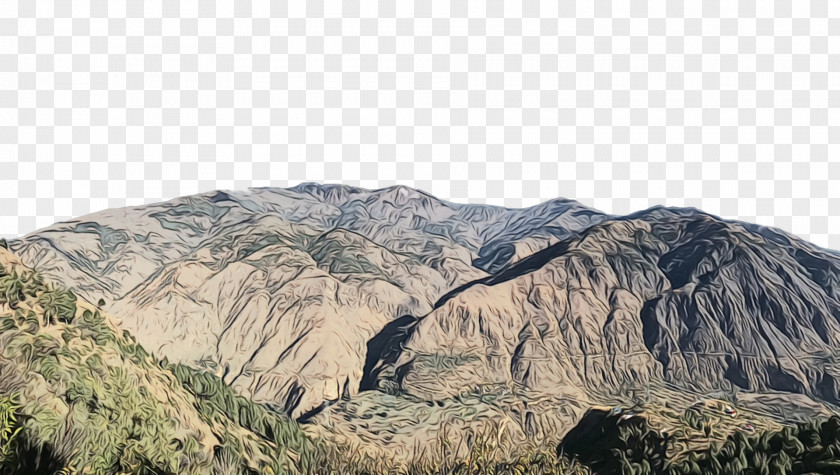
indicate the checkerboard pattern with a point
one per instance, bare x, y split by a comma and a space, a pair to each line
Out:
723, 105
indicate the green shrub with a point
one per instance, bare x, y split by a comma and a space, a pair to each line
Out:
812, 447
694, 418
9, 427
11, 289
58, 305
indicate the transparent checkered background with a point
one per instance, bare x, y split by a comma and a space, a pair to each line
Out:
719, 105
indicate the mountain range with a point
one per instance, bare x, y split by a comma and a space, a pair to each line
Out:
380, 318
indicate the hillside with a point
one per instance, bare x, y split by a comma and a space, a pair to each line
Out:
78, 395
91, 400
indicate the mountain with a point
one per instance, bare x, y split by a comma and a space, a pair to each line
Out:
279, 291
384, 318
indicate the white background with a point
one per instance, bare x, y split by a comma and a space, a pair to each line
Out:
720, 105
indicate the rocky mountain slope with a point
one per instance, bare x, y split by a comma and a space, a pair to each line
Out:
322, 300
666, 294
279, 291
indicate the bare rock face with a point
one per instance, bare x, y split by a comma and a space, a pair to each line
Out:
667, 294
280, 291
